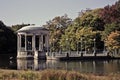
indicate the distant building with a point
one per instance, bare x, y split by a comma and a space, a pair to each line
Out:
32, 42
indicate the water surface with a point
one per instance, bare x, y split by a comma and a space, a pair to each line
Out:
84, 66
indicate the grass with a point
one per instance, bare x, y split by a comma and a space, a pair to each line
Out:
53, 75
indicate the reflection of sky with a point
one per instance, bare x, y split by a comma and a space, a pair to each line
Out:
39, 11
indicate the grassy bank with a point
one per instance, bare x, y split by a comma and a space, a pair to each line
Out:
53, 75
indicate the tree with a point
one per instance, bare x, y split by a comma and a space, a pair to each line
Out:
89, 25
18, 26
110, 28
69, 38
91, 18
8, 40
111, 13
57, 28
87, 35
75, 36
113, 40
111, 17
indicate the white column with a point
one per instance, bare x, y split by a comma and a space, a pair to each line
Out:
18, 45
33, 42
41, 42
25, 42
47, 42
18, 41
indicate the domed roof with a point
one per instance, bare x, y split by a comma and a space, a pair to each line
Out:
31, 28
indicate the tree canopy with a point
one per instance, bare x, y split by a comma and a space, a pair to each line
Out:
113, 40
7, 39
89, 25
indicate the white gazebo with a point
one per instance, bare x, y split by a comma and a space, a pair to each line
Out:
32, 42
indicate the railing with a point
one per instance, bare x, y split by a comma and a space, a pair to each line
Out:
76, 54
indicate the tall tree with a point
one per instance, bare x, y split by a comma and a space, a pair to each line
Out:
111, 17
91, 18
57, 28
69, 38
111, 13
8, 41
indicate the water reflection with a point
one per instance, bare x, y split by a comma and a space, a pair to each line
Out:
81, 66
7, 63
95, 66
30, 64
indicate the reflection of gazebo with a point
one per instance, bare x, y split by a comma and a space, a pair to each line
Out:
33, 42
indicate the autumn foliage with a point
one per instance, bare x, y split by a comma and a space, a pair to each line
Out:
113, 40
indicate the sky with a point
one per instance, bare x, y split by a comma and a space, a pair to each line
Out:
38, 12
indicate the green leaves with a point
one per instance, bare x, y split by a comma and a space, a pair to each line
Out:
89, 25
18, 26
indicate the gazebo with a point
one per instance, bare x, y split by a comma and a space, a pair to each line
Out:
32, 42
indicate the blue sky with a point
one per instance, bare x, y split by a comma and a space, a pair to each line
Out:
39, 11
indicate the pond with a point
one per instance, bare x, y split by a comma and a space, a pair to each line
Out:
84, 66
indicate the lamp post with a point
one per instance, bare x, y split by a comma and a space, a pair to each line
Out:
94, 46
53, 54
53, 44
66, 44
85, 47
50, 54
77, 47
81, 45
104, 47
69, 46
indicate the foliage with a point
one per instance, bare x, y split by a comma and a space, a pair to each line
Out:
91, 18
86, 37
75, 36
57, 28
66, 34
111, 13
111, 17
113, 40
8, 41
110, 28
18, 26
68, 40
